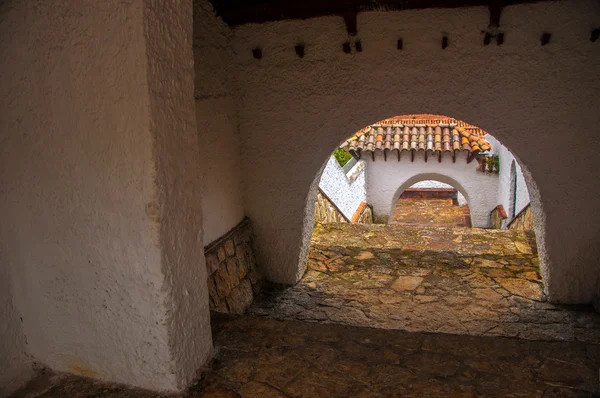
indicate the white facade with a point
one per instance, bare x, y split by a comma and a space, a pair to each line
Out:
506, 197
386, 180
346, 190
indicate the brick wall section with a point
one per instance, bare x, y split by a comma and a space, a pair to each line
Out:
497, 216
233, 277
523, 221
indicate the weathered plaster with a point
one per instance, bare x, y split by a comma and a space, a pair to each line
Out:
168, 30
506, 159
15, 365
527, 95
346, 190
387, 181
222, 205
99, 193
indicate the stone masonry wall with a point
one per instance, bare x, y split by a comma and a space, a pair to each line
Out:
497, 217
326, 211
233, 278
363, 215
523, 221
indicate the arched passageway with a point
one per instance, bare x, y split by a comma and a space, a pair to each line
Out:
527, 106
431, 203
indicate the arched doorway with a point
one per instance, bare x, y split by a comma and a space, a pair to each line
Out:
431, 203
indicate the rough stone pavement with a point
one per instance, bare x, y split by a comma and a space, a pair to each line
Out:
360, 324
430, 212
260, 357
432, 279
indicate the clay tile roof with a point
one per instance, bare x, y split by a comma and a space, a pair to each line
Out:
422, 132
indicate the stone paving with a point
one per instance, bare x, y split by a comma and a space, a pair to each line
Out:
432, 279
259, 357
360, 323
430, 212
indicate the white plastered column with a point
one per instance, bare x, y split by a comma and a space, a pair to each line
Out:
101, 227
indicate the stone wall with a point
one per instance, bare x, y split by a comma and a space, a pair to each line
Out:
326, 211
523, 221
233, 278
497, 217
363, 215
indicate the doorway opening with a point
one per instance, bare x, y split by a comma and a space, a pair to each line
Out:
431, 203
421, 240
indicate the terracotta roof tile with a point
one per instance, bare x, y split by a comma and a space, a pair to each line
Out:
423, 132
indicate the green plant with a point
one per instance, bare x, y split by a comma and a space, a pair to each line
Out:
342, 156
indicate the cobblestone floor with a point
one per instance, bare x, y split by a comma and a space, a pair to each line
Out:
430, 212
396, 311
259, 357
435, 279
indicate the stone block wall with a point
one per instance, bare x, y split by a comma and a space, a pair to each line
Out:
326, 211
522, 221
233, 277
497, 217
363, 215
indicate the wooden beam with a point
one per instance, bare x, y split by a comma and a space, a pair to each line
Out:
398, 154
412, 155
239, 12
385, 155
349, 15
454, 156
472, 156
440, 157
373, 155
426, 155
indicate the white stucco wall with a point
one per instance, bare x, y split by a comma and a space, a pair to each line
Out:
346, 190
222, 204
15, 366
387, 180
99, 177
436, 184
527, 95
506, 159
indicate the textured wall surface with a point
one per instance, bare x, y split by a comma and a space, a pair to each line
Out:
346, 190
98, 170
222, 204
15, 366
168, 30
527, 95
387, 181
506, 159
